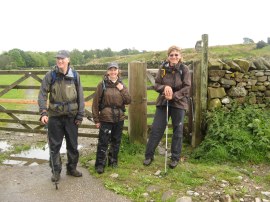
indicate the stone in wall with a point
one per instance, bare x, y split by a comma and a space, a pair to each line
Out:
227, 82
219, 73
237, 92
258, 73
226, 100
214, 84
241, 84
216, 92
214, 65
251, 82
224, 65
243, 64
262, 78
214, 78
267, 93
238, 76
234, 66
259, 63
267, 72
214, 103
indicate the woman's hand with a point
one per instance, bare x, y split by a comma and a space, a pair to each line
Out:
120, 86
97, 125
168, 92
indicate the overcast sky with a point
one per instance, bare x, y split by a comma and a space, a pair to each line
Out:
152, 25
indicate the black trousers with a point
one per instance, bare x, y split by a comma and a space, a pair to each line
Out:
110, 135
58, 128
158, 128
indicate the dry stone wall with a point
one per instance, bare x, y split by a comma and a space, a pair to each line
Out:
239, 80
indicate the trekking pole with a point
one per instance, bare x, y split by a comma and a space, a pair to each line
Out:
51, 159
166, 145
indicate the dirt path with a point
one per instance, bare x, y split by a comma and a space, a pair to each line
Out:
32, 183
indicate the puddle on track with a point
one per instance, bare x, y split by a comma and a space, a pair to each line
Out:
4, 146
34, 156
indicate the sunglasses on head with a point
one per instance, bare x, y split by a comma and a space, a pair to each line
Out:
176, 55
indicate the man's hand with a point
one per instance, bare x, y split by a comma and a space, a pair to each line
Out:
44, 119
78, 122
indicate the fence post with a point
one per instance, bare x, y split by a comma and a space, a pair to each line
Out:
204, 73
137, 110
200, 96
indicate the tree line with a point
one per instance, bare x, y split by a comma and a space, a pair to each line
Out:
17, 58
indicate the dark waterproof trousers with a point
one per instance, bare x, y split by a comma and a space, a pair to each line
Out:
58, 128
158, 128
110, 135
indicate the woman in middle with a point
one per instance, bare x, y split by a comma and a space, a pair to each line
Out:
108, 111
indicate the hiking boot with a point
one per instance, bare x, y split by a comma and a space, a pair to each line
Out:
74, 173
173, 164
147, 162
56, 177
113, 165
100, 169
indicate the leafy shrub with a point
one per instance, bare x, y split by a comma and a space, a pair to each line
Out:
239, 134
261, 44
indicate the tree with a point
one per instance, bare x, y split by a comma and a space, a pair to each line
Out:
5, 61
261, 44
247, 40
76, 57
17, 58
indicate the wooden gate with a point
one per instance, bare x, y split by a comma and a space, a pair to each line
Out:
27, 121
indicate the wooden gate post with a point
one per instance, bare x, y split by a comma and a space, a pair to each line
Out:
200, 80
137, 110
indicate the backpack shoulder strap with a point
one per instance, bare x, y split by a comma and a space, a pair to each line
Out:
75, 77
53, 76
101, 105
181, 69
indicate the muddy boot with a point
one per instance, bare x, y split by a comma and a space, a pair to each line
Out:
100, 169
173, 164
74, 173
56, 177
147, 162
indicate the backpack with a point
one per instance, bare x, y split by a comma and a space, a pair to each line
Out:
165, 65
53, 75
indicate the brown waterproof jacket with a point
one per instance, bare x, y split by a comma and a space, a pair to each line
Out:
177, 77
111, 106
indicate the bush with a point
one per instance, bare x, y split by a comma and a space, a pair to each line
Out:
261, 44
240, 134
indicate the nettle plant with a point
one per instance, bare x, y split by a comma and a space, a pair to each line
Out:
239, 134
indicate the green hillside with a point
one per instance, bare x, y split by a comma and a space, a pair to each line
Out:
223, 52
